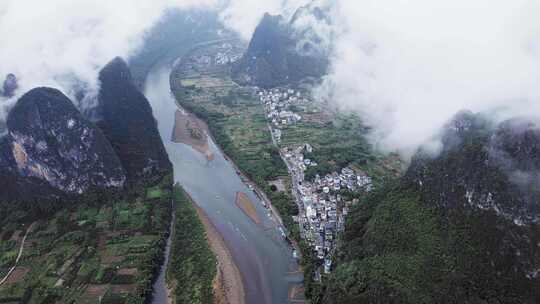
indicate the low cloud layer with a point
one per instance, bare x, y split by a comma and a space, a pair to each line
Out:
243, 16
409, 66
406, 66
54, 43
63, 43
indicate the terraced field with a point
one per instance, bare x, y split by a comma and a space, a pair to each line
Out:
88, 254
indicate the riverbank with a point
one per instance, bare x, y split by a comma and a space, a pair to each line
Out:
263, 258
192, 266
228, 286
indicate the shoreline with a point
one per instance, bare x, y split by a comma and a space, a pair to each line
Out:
228, 285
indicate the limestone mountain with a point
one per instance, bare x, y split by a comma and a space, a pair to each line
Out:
459, 227
51, 148
125, 116
282, 52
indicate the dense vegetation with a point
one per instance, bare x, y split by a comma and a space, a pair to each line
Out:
193, 265
447, 232
237, 122
397, 249
101, 248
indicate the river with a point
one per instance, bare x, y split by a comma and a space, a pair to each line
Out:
263, 257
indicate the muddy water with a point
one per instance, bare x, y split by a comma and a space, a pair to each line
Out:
264, 258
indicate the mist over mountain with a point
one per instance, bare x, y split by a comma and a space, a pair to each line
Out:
52, 150
61, 43
284, 51
457, 228
407, 68
453, 87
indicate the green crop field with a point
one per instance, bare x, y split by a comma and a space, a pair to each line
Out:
88, 252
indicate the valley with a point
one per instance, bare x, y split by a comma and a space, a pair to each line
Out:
262, 255
271, 152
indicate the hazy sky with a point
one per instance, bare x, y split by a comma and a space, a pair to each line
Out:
406, 65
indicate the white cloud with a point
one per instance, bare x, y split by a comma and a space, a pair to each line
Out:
46, 42
243, 16
409, 66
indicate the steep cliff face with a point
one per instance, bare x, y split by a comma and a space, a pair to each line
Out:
486, 167
50, 147
280, 53
459, 227
126, 118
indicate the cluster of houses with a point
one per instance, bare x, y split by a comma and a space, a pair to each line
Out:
277, 105
297, 159
209, 59
227, 54
322, 207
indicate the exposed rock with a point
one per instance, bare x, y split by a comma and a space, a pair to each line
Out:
126, 118
50, 143
489, 167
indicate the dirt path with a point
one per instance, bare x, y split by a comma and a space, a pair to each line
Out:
228, 286
21, 249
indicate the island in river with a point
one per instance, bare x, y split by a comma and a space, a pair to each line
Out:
191, 131
246, 204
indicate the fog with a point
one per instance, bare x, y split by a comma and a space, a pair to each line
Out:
243, 16
64, 43
60, 43
409, 66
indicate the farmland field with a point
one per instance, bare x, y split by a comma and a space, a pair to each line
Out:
90, 253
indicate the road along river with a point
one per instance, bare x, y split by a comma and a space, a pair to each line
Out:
264, 258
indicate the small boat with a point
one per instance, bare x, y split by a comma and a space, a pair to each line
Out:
282, 232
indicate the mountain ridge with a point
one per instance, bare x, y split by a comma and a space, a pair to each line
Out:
454, 229
273, 57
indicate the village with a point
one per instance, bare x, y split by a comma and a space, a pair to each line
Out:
277, 104
209, 60
321, 202
322, 208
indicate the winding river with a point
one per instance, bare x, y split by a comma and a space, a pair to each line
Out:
263, 257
